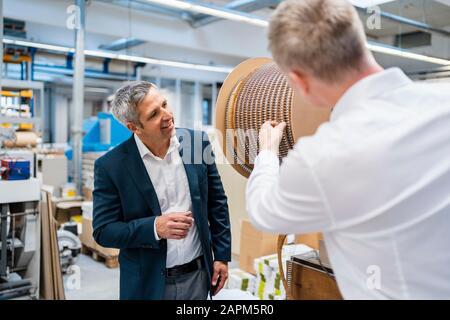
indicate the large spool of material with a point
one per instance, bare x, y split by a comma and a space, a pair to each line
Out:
254, 92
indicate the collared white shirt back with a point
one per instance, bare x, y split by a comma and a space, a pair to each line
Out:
376, 181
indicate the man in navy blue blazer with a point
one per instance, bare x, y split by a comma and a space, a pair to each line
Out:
158, 197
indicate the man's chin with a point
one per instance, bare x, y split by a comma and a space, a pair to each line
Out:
168, 133
172, 133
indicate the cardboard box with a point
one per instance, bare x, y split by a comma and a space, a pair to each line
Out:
87, 239
86, 233
310, 239
254, 244
87, 194
64, 210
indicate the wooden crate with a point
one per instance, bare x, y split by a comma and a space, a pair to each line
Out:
311, 283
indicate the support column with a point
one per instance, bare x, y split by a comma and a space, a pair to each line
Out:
78, 95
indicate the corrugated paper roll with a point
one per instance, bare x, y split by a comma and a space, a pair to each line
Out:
23, 139
254, 92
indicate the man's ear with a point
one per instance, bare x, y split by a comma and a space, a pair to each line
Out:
133, 128
299, 81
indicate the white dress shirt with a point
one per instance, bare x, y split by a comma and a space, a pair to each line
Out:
376, 180
169, 179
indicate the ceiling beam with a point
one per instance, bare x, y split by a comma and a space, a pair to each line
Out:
120, 44
144, 6
211, 10
238, 5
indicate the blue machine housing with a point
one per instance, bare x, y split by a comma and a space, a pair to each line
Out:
102, 133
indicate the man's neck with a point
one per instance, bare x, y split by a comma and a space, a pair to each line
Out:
371, 68
158, 148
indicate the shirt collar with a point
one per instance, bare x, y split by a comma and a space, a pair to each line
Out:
370, 87
143, 150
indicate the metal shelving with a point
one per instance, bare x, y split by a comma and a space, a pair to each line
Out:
38, 97
17, 120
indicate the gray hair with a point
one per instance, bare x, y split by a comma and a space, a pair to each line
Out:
127, 99
323, 37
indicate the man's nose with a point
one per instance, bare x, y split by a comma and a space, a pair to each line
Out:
167, 114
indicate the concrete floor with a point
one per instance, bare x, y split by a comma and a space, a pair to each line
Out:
97, 282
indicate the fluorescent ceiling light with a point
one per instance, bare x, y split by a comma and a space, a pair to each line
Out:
223, 13
406, 54
368, 3
96, 90
123, 57
101, 54
37, 45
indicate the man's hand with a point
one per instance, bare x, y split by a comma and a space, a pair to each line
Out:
220, 275
174, 225
270, 136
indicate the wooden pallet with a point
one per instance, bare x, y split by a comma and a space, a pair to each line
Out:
108, 260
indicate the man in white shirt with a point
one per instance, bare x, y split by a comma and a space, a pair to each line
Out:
375, 179
158, 197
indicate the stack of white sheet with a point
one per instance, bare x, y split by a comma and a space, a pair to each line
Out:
239, 279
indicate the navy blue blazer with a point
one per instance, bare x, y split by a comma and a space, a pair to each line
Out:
126, 205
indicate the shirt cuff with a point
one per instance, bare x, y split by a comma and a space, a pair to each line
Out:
267, 158
156, 233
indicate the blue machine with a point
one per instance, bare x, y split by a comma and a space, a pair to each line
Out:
15, 169
102, 133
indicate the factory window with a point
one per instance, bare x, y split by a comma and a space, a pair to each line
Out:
150, 79
167, 87
188, 104
207, 102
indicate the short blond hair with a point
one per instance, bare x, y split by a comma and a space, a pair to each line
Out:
322, 37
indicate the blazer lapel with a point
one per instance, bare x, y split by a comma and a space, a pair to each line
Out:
140, 176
